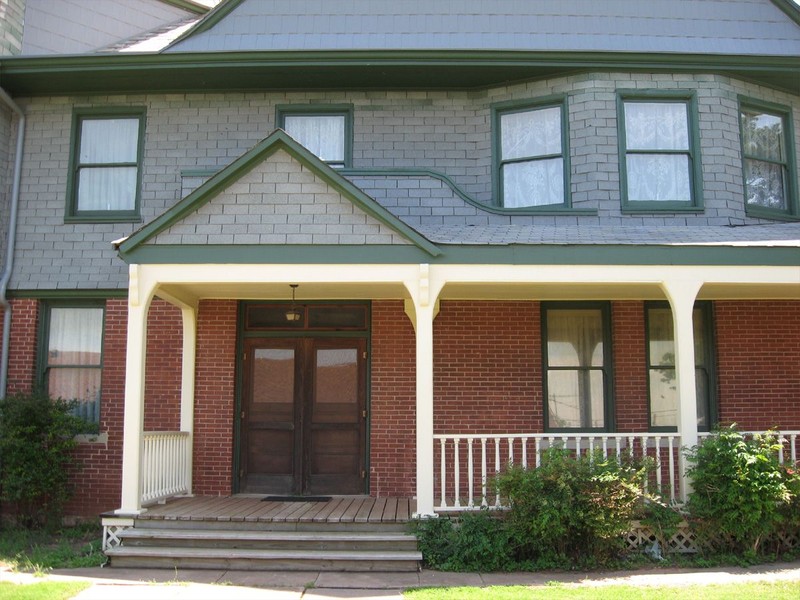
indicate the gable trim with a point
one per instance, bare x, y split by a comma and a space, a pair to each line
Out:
278, 140
219, 12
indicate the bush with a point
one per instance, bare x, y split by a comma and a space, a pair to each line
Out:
741, 493
476, 541
572, 509
37, 436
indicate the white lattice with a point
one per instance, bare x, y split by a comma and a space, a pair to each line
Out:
686, 541
111, 536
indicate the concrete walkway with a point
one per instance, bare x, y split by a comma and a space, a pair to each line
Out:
161, 584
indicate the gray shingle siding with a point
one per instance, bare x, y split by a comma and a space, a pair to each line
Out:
701, 26
448, 132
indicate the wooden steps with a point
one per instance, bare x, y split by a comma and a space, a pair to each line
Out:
212, 537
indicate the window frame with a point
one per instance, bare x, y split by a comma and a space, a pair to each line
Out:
322, 110
498, 110
42, 363
79, 115
689, 99
609, 414
792, 210
710, 362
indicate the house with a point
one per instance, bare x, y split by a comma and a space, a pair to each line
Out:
381, 249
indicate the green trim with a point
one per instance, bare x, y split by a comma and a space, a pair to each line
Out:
68, 294
320, 110
789, 8
792, 210
609, 413
498, 111
689, 99
188, 5
514, 254
401, 172
219, 12
363, 69
278, 140
79, 115
709, 345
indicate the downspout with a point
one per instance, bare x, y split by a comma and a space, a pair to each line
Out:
11, 242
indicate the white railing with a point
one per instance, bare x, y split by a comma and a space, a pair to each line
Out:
467, 463
789, 443
166, 462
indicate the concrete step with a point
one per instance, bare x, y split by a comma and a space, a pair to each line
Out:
295, 540
249, 559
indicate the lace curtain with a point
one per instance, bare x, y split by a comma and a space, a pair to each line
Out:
108, 142
74, 354
321, 134
763, 143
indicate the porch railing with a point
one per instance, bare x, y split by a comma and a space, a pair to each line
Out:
165, 464
467, 463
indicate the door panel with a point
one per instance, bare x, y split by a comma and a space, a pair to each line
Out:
303, 423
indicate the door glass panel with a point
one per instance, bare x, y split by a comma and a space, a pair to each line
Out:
337, 317
336, 378
273, 375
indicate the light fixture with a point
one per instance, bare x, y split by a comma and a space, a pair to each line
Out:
293, 314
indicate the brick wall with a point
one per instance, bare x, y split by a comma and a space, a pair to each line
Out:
392, 402
758, 350
214, 397
22, 345
630, 367
164, 355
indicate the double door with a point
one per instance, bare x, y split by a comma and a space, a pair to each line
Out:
303, 418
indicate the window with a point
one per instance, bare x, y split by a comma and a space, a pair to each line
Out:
531, 157
662, 379
659, 162
768, 158
71, 355
577, 359
326, 131
105, 173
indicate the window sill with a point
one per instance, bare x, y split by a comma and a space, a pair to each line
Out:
650, 208
103, 219
92, 438
771, 214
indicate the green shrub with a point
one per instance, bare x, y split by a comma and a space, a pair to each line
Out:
37, 436
476, 541
572, 510
741, 493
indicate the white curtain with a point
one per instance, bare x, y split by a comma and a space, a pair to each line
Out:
74, 353
321, 134
108, 142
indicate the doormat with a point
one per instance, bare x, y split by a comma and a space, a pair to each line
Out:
296, 499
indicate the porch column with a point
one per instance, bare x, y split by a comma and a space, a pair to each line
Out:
422, 310
133, 424
682, 295
189, 315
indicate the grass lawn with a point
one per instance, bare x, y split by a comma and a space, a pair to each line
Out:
46, 590
35, 550
782, 590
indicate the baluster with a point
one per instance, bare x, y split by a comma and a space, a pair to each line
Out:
577, 446
484, 502
644, 457
670, 440
618, 445
781, 442
497, 467
658, 462
471, 474
524, 453
605, 446
457, 469
442, 469
538, 450
511, 451
792, 441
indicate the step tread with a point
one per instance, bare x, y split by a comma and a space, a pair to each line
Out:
264, 554
288, 536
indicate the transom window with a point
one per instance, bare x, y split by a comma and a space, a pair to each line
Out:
71, 356
325, 131
767, 156
531, 155
660, 169
577, 366
106, 165
662, 377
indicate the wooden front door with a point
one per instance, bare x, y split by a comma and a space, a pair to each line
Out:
303, 421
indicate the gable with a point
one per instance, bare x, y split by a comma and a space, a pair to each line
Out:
280, 201
276, 195
754, 27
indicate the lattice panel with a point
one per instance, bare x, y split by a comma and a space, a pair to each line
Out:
111, 535
686, 541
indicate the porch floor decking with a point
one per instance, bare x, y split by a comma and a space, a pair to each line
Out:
339, 509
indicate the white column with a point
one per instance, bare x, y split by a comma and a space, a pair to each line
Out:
189, 315
133, 424
682, 295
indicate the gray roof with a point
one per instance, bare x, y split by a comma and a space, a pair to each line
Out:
783, 234
756, 27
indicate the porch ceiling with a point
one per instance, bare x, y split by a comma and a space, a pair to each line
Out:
281, 290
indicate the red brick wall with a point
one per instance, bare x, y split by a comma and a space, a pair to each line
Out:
630, 367
392, 402
758, 356
214, 397
22, 345
164, 355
